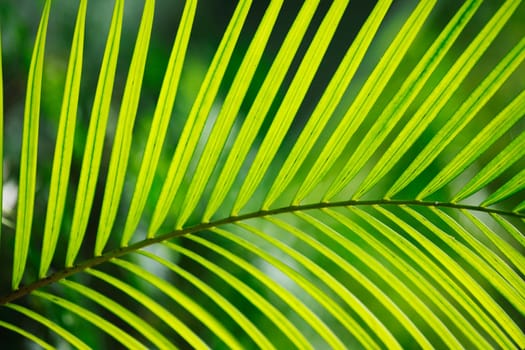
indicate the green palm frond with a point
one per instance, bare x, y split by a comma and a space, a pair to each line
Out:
279, 199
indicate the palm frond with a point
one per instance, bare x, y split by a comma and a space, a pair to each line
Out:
381, 210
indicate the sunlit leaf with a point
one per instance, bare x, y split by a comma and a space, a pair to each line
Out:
123, 134
160, 122
64, 144
197, 117
240, 221
28, 159
95, 138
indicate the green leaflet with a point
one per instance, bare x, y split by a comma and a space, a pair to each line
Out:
510, 155
134, 321
260, 339
364, 101
466, 113
490, 134
517, 183
290, 104
26, 334
64, 144
437, 98
95, 138
195, 309
394, 111
197, 117
309, 287
268, 309
428, 289
159, 125
170, 319
448, 338
513, 231
228, 113
328, 102
91, 317
368, 316
70, 338
513, 255
28, 159
123, 135
260, 108
442, 276
495, 279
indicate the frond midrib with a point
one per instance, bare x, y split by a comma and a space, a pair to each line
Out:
61, 274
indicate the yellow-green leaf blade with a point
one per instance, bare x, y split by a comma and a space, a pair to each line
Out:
511, 229
28, 159
229, 111
486, 137
123, 134
197, 118
64, 144
394, 111
66, 335
273, 314
365, 99
409, 271
513, 255
510, 155
159, 125
260, 108
374, 263
96, 320
290, 104
130, 318
437, 99
185, 301
310, 317
463, 115
157, 309
434, 250
328, 103
500, 283
517, 183
255, 334
351, 300
95, 138
489, 264
26, 334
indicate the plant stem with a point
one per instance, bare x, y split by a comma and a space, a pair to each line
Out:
56, 276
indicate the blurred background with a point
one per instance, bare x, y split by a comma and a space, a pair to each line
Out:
19, 22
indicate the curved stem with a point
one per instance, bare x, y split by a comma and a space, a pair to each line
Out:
232, 219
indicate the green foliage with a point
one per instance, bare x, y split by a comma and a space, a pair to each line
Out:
316, 187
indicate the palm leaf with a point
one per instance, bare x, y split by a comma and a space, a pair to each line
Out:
383, 209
